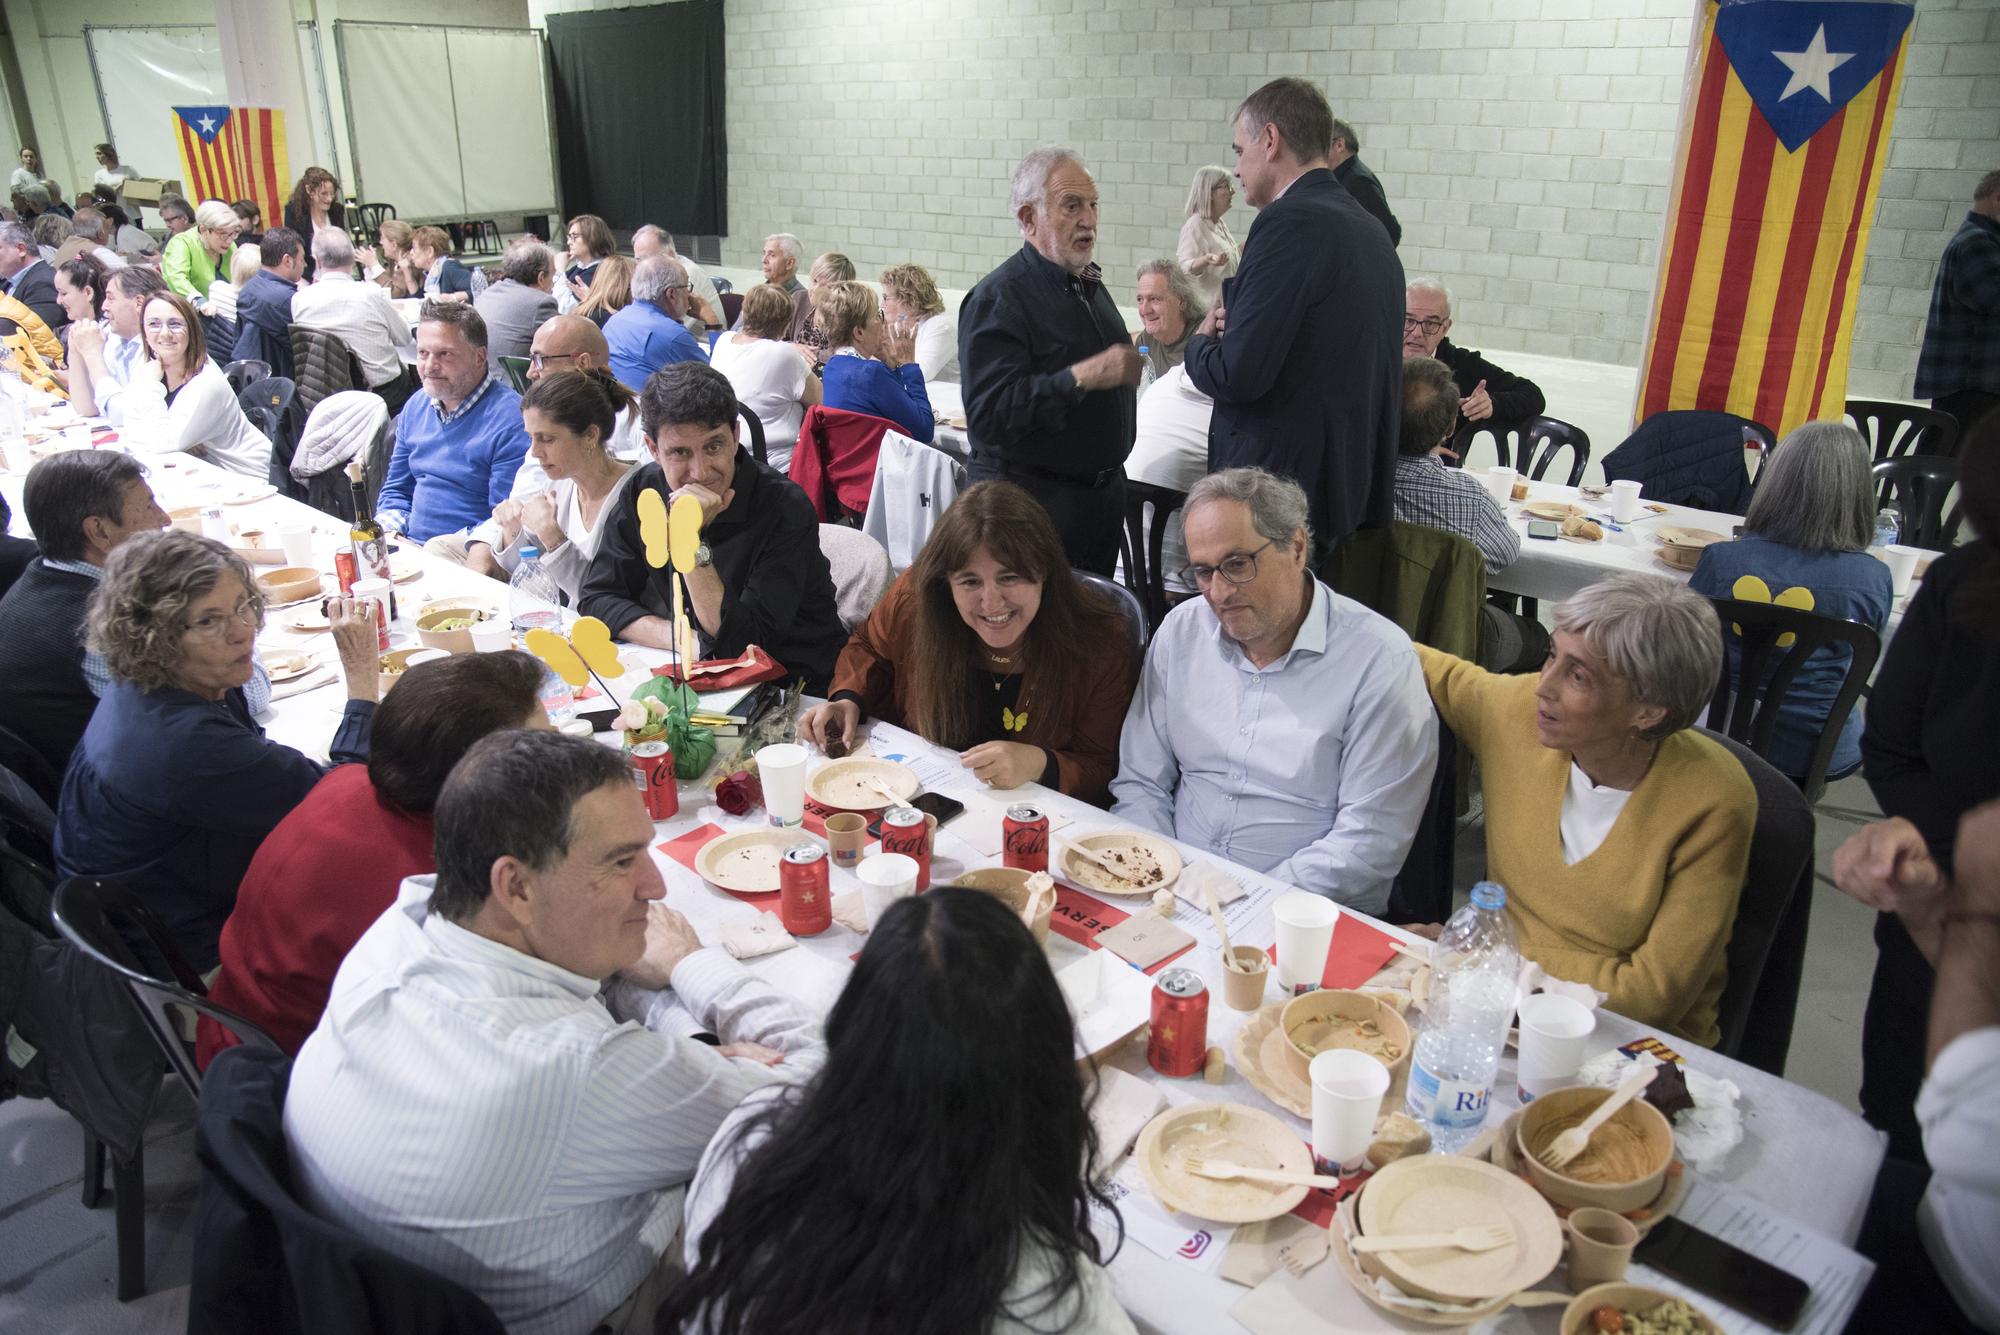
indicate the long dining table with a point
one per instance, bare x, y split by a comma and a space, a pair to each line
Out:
1802, 1157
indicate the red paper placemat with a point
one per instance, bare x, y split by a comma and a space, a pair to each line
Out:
1320, 1203
682, 849
1081, 917
1358, 952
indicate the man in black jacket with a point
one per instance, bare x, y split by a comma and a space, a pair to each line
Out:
759, 577
1302, 357
1353, 173
29, 279
1049, 368
1485, 391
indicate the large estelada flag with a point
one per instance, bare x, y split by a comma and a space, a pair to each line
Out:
232, 153
1784, 130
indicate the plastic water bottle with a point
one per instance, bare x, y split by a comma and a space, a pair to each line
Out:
534, 598
1474, 973
1888, 526
1146, 376
556, 697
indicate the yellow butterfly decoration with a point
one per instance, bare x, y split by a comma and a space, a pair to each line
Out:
1011, 721
672, 537
586, 649
1750, 589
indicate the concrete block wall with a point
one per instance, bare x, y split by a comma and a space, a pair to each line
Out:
1526, 145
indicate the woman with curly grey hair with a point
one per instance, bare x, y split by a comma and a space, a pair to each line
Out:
174, 785
1620, 832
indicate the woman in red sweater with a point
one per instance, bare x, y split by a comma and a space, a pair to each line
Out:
332, 866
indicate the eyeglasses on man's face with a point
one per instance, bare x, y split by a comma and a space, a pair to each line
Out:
1430, 324
539, 360
1237, 568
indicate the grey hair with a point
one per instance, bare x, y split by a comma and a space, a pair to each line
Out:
655, 276
138, 612
214, 214
1277, 504
1029, 184
1430, 405
333, 249
35, 193
17, 234
654, 229
1816, 493
1193, 308
1345, 133
526, 261
1656, 633
1425, 283
1201, 191
51, 230
460, 315
788, 243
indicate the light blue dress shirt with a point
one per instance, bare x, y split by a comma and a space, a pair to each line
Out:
1313, 770
97, 673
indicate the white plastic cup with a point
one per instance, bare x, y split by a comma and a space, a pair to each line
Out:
1553, 1030
491, 635
1305, 933
885, 878
1902, 563
1625, 500
1499, 482
297, 540
1347, 1090
781, 769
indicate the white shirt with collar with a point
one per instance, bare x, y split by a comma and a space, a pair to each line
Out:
361, 316
121, 354
1959, 1217
1314, 769
510, 1125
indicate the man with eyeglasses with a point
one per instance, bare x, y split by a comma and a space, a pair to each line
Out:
573, 343
1486, 392
355, 312
649, 334
1277, 724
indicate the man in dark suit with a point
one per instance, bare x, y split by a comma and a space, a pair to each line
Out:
264, 306
1304, 355
1354, 176
30, 280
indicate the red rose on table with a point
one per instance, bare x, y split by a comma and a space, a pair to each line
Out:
738, 793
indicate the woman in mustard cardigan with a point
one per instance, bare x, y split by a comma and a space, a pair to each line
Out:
989, 645
1621, 835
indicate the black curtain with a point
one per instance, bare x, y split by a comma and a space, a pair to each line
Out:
639, 126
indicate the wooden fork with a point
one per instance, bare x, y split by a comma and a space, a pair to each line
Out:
1223, 1168
1091, 857
1302, 1254
1572, 1142
1478, 1238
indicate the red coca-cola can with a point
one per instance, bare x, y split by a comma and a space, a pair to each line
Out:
905, 831
345, 570
805, 903
1178, 1042
653, 776
1024, 838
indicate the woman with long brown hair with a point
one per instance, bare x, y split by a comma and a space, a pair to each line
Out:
315, 203
991, 645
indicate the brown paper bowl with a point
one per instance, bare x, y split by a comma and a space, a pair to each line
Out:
1353, 1006
394, 664
288, 584
1533, 1133
451, 641
1009, 885
258, 548
1633, 1298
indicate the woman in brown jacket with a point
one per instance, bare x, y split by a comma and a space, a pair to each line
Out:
989, 645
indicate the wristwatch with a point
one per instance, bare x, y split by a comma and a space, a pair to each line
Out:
702, 555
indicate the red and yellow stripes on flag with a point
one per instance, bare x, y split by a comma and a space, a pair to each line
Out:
246, 160
1761, 261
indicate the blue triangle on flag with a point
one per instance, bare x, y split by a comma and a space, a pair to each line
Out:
1801, 61
207, 122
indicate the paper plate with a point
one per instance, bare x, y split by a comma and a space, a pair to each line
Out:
1263, 1055
404, 567
1554, 511
1342, 1228
840, 784
746, 862
310, 622
1231, 1131
1156, 861
1506, 1156
1435, 1193
1696, 538
246, 495
284, 667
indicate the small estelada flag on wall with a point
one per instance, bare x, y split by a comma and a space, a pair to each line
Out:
1784, 130
232, 153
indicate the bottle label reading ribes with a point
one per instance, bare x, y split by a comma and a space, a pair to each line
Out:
1451, 1104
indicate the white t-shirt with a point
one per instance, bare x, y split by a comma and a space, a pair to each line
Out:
113, 179
1170, 449
1588, 814
1959, 1219
769, 377
937, 347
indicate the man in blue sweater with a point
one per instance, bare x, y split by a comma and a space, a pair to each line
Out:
648, 334
460, 442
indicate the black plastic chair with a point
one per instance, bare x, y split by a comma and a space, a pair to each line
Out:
1919, 485
30, 765
755, 426
1765, 958
732, 308
245, 372
1529, 446
273, 394
1128, 605
1421, 891
27, 828
1897, 429
516, 371
369, 219
1148, 511
265, 1262
1751, 715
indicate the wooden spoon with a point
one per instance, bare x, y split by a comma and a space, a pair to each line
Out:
1221, 929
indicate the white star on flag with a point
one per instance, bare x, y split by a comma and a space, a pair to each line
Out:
1811, 67
208, 123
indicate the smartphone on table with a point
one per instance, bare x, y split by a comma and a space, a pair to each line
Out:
1543, 528
1728, 1274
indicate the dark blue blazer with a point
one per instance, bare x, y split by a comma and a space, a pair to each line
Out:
264, 322
1308, 375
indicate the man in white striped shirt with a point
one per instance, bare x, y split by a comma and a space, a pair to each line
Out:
479, 1099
